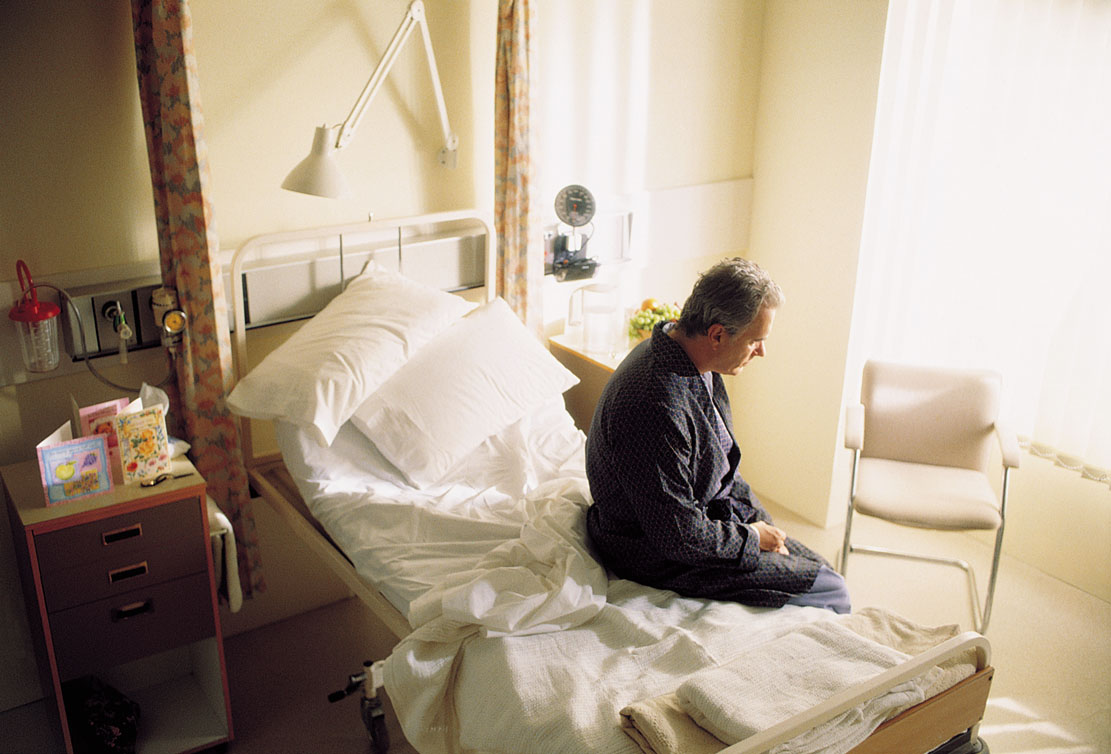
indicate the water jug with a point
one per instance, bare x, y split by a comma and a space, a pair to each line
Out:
596, 308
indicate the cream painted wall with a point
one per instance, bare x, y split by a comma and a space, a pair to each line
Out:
638, 95
76, 190
705, 69
1044, 498
74, 143
819, 77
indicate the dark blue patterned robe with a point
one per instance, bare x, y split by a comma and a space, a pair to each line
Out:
669, 505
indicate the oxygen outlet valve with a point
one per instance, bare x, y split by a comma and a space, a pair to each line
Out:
114, 312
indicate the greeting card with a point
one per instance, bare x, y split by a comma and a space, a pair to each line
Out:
99, 420
73, 468
143, 442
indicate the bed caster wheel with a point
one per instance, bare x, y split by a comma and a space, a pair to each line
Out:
962, 743
379, 737
374, 718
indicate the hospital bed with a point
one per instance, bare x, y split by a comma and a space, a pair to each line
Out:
472, 552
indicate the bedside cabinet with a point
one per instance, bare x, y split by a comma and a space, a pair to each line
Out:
592, 369
120, 586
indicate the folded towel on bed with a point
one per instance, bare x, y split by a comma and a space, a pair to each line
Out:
661, 726
792, 674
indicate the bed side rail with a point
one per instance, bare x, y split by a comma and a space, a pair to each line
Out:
853, 697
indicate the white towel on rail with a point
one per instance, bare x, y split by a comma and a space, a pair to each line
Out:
793, 673
225, 556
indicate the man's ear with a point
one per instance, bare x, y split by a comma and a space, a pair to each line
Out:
716, 333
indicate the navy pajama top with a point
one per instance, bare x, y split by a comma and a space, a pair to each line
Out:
669, 508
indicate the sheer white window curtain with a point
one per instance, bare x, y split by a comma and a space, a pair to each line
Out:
986, 238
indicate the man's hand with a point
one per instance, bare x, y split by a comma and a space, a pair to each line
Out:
772, 538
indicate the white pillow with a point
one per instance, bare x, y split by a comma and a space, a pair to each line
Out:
476, 378
323, 372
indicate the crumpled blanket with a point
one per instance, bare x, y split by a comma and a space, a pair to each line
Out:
533, 650
660, 725
543, 581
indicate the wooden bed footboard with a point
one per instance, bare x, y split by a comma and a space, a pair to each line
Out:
918, 730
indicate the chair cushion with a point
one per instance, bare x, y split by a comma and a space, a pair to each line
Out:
931, 497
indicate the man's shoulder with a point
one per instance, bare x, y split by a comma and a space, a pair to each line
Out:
643, 370
644, 384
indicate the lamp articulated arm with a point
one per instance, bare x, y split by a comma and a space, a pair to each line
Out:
414, 18
318, 174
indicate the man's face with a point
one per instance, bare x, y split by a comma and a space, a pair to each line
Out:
733, 352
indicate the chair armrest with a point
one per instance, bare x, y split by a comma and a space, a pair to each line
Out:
1008, 444
854, 426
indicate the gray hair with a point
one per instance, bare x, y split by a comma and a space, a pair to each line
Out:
731, 293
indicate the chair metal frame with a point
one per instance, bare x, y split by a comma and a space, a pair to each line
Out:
980, 617
854, 439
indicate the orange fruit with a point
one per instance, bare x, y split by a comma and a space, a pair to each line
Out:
649, 303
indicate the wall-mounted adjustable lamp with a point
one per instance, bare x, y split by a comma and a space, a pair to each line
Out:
318, 174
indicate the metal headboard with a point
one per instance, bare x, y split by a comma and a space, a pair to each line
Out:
301, 251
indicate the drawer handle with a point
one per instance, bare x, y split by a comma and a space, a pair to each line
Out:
118, 535
132, 610
127, 572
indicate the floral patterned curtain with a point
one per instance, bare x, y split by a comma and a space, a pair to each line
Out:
188, 246
520, 252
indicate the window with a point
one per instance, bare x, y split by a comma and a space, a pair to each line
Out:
987, 239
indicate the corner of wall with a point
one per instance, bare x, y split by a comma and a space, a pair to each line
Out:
818, 86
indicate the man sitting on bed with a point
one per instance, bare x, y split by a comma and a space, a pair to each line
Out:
670, 509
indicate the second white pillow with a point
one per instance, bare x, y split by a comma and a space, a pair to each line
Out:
474, 379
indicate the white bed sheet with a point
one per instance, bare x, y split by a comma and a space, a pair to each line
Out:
408, 541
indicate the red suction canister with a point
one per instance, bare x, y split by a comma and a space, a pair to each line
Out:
37, 322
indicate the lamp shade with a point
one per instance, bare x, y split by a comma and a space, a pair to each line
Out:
318, 174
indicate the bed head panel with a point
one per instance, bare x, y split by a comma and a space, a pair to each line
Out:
277, 280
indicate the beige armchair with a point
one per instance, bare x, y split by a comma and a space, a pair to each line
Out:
922, 442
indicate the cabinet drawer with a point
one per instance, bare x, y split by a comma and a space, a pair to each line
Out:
99, 635
123, 539
116, 574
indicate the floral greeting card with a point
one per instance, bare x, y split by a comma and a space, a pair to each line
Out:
143, 443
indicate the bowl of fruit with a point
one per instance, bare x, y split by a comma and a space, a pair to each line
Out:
645, 318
